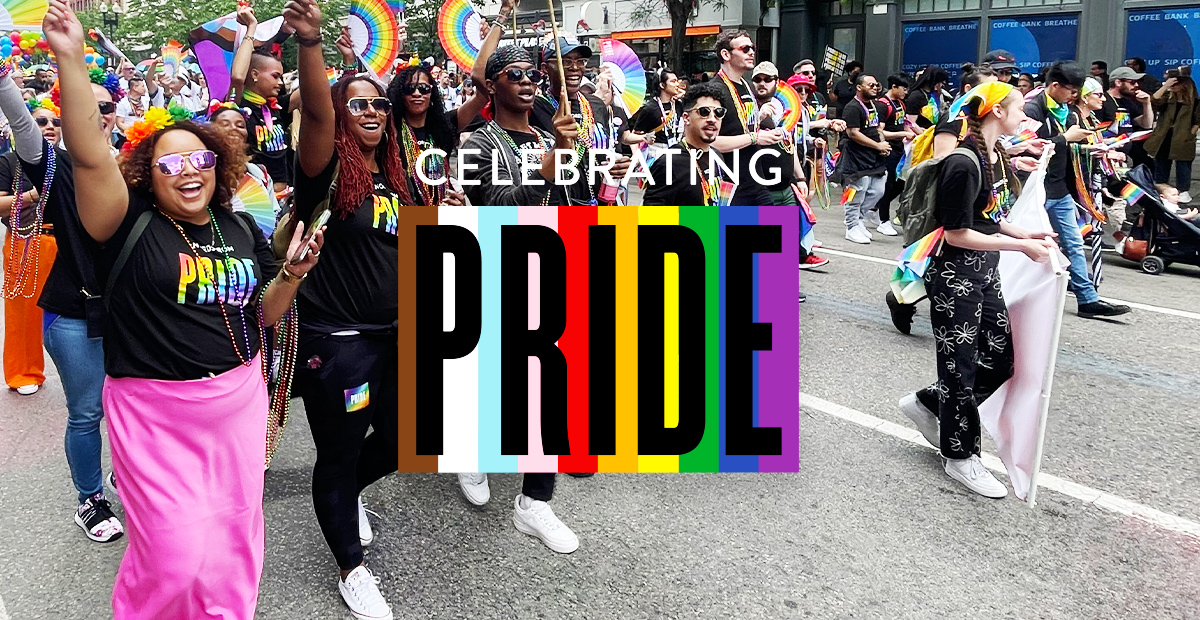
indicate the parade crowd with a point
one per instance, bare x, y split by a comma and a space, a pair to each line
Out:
175, 315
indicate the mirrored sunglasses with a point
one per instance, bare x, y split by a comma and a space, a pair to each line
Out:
171, 165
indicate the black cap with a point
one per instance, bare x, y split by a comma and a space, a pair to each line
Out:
567, 46
1001, 59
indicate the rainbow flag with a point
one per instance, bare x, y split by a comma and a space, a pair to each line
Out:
725, 191
848, 195
1025, 135
809, 219
1132, 193
830, 163
908, 278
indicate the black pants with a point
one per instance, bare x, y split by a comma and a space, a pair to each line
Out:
894, 186
973, 340
538, 486
348, 383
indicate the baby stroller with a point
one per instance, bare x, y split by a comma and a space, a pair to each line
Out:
1158, 237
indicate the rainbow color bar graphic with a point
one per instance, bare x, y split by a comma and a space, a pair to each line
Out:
709, 338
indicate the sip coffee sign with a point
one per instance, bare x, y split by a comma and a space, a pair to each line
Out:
598, 339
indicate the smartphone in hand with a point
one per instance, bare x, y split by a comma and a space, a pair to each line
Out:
320, 223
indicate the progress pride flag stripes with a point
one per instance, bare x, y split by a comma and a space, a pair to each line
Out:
609, 361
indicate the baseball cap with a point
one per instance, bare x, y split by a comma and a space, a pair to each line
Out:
567, 45
765, 67
1001, 59
1125, 73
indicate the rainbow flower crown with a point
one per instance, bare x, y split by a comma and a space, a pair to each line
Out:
156, 119
43, 102
217, 105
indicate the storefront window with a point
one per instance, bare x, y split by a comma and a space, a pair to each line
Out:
1016, 4
940, 6
845, 7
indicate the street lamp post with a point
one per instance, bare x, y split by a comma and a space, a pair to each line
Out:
111, 16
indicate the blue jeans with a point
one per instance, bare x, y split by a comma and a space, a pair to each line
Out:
80, 364
1063, 219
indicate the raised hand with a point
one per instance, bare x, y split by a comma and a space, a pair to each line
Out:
63, 31
304, 16
245, 15
345, 46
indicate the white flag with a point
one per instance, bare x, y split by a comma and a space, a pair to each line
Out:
1034, 292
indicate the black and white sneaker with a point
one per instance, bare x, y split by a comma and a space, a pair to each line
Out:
96, 518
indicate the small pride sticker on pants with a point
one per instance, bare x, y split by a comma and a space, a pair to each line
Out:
358, 398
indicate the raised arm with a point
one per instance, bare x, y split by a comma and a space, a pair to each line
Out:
27, 140
241, 60
317, 119
471, 107
101, 195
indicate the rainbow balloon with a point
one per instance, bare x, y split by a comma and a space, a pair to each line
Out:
252, 198
374, 31
790, 99
22, 14
628, 75
458, 28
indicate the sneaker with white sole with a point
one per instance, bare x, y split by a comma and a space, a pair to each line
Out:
862, 226
973, 475
538, 520
95, 517
365, 535
856, 235
475, 488
28, 390
886, 229
1184, 198
361, 592
925, 420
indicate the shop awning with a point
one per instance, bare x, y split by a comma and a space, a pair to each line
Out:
664, 33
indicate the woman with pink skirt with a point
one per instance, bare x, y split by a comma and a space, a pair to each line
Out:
189, 286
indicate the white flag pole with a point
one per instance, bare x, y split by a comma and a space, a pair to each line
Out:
1048, 378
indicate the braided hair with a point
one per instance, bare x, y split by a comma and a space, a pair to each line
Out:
354, 178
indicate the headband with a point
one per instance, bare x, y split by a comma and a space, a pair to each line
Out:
988, 95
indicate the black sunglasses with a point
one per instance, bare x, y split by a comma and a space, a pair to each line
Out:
107, 107
515, 75
705, 111
746, 49
358, 105
759, 79
42, 121
420, 87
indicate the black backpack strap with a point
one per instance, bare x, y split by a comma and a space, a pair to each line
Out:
975, 160
139, 226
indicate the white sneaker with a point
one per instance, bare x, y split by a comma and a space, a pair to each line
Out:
973, 475
1184, 197
856, 235
925, 420
539, 520
27, 390
360, 590
365, 535
886, 229
862, 226
475, 488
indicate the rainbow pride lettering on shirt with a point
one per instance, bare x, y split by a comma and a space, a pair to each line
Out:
387, 213
270, 140
233, 281
610, 339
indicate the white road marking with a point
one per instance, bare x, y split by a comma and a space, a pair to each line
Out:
3, 613
1132, 304
1087, 495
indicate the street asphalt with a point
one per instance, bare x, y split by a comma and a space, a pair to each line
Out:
870, 528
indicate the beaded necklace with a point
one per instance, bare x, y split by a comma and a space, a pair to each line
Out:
708, 186
219, 238
435, 167
747, 111
498, 130
27, 265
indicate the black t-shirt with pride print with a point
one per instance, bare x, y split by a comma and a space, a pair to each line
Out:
163, 321
354, 286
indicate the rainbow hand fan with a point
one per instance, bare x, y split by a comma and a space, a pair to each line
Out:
458, 29
397, 6
22, 14
374, 32
172, 52
252, 198
790, 99
628, 75
908, 278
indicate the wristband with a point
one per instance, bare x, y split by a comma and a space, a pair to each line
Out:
753, 138
288, 278
313, 42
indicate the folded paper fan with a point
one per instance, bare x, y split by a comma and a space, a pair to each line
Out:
252, 198
22, 14
790, 99
458, 29
374, 32
628, 75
